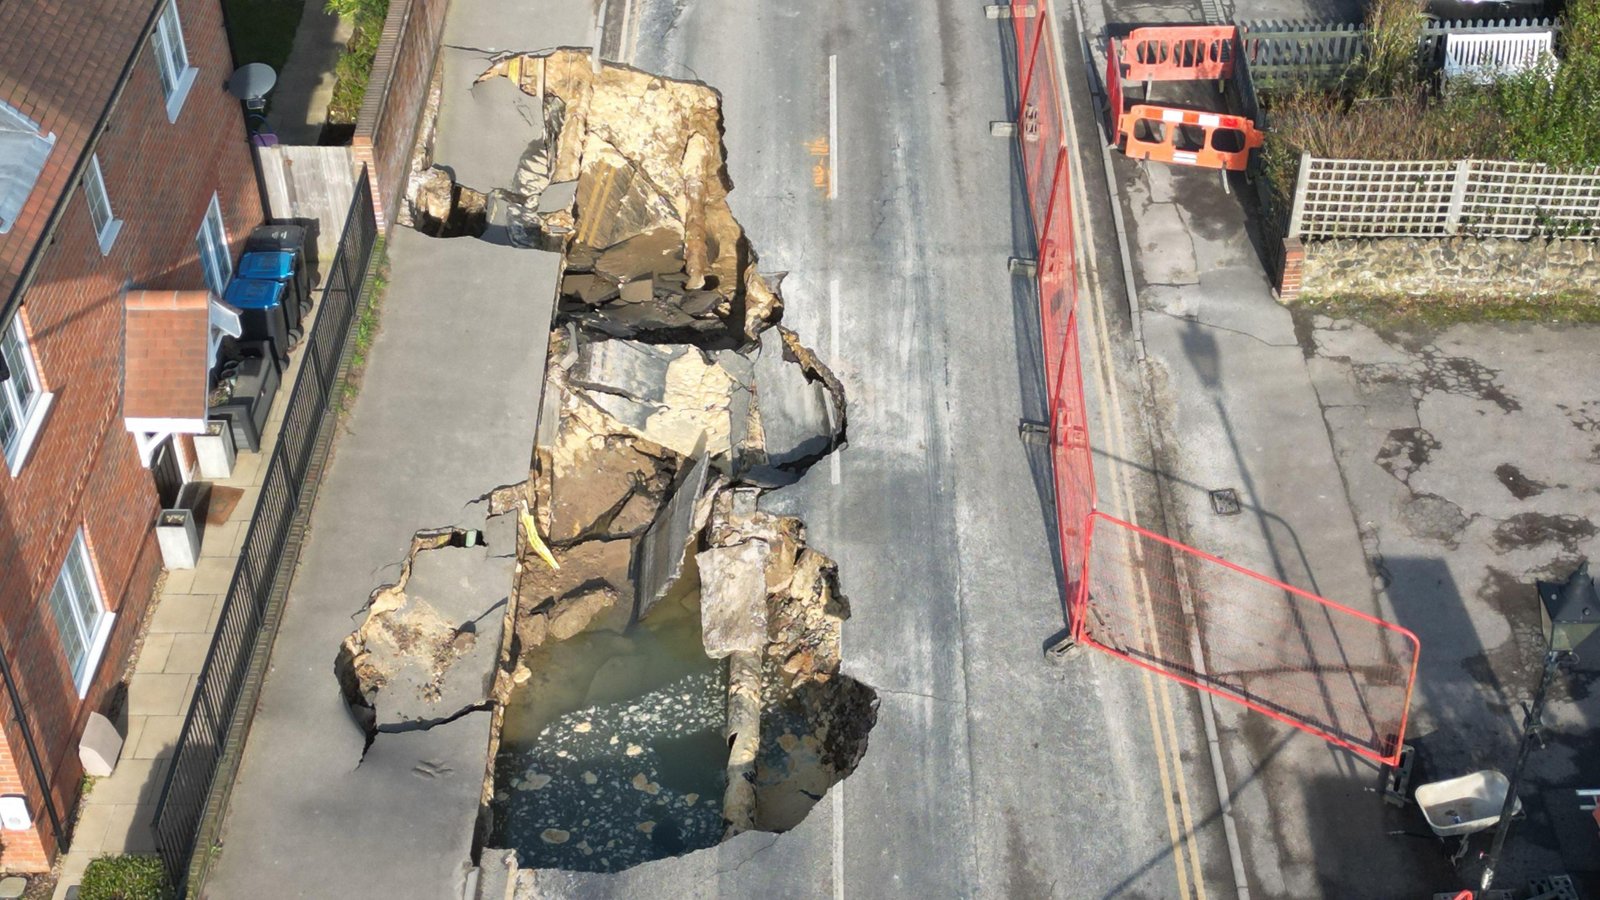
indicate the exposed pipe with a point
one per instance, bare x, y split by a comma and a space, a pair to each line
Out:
33, 749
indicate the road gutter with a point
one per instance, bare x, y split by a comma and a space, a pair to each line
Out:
1207, 710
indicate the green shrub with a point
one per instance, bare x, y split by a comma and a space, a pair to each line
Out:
124, 878
1394, 28
354, 67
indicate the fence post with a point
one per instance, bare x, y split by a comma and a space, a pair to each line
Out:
1299, 202
1458, 196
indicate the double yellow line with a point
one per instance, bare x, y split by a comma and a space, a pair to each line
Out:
1157, 692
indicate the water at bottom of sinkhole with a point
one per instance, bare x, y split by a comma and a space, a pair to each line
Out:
613, 753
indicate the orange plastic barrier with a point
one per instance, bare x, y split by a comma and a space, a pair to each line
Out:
1180, 53
1187, 138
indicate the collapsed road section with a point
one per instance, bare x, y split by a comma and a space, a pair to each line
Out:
666, 673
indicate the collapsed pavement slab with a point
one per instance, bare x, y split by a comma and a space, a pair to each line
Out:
429, 647
470, 111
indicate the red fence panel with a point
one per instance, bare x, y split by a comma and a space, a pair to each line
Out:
1324, 668
1039, 127
1113, 83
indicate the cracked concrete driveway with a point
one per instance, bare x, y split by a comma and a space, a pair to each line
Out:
1472, 462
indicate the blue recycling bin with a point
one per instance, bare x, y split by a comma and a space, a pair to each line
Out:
262, 315
279, 265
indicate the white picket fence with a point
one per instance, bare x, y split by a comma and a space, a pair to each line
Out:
1481, 58
1353, 198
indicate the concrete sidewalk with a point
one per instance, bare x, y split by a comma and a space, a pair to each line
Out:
446, 413
305, 86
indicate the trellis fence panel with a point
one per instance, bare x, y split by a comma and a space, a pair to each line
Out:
1354, 198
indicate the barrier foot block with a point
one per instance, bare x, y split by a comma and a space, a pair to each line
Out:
1007, 11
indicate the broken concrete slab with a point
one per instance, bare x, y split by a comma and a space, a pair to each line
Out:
429, 647
469, 110
662, 550
793, 411
627, 368
558, 196
733, 598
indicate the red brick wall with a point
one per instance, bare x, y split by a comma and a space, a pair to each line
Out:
386, 129
1294, 259
84, 470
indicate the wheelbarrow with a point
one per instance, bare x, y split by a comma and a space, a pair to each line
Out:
1461, 807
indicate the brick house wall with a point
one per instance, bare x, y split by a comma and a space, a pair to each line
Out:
83, 470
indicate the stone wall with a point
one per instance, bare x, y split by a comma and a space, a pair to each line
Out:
1457, 266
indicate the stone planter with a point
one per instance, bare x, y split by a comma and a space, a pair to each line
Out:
215, 451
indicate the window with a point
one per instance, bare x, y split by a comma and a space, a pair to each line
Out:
106, 225
212, 245
172, 58
81, 617
23, 151
22, 403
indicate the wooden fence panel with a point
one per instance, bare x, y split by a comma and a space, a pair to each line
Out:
310, 183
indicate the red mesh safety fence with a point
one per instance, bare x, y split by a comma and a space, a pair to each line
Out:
1324, 668
1321, 667
1046, 178
1113, 82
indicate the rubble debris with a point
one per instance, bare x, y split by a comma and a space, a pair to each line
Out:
733, 598
625, 170
676, 679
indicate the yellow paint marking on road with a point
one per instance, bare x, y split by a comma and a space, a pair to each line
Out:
598, 205
821, 172
1182, 838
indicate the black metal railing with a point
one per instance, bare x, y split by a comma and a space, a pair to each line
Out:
216, 721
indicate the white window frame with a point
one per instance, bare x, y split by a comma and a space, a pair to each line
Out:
85, 613
105, 221
216, 261
172, 59
29, 412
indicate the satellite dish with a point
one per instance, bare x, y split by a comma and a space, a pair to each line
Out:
251, 83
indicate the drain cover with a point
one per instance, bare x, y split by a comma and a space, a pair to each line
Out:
1225, 502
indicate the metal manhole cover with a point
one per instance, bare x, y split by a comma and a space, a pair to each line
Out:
1225, 502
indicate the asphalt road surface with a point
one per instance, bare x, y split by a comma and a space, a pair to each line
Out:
859, 149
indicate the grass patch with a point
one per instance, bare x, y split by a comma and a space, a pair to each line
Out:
1432, 313
366, 326
262, 30
124, 878
354, 68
